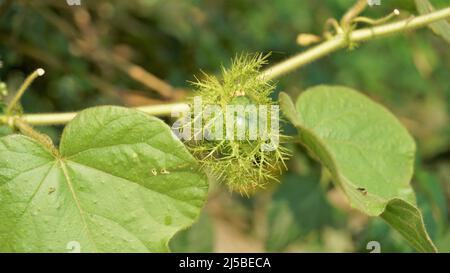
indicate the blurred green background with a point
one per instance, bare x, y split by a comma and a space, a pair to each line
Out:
143, 52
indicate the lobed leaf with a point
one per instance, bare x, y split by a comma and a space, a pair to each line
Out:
122, 183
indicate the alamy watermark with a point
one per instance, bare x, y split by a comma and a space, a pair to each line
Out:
73, 247
374, 247
374, 2
73, 2
233, 122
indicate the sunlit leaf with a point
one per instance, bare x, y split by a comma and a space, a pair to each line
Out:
368, 152
121, 183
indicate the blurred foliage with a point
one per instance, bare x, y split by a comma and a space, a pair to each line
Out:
198, 238
298, 208
89, 53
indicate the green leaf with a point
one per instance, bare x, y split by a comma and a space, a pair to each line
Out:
365, 148
5, 130
442, 27
367, 151
377, 229
122, 183
408, 221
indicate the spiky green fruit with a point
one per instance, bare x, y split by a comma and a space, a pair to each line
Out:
243, 164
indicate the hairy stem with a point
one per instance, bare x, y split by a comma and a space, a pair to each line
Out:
341, 41
41, 138
63, 118
337, 42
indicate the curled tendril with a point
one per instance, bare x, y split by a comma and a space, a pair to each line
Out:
13, 104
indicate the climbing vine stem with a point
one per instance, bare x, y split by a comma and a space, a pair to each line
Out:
339, 41
335, 43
